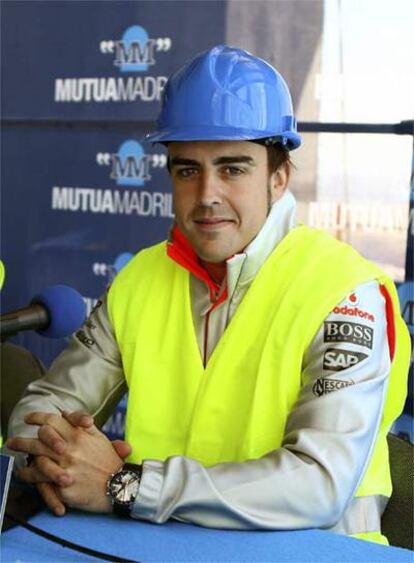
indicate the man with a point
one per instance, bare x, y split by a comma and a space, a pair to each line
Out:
265, 361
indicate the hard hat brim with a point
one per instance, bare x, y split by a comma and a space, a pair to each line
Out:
290, 139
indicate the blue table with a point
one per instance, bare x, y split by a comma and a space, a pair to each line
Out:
173, 541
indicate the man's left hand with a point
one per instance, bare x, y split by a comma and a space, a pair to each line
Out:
88, 459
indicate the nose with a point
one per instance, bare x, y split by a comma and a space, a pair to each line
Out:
209, 190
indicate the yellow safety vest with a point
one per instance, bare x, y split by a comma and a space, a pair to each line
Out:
237, 406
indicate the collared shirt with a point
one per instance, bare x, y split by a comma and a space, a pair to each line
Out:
241, 271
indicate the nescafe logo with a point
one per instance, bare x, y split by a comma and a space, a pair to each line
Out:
348, 332
323, 386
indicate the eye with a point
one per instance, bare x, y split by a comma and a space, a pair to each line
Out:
233, 170
185, 172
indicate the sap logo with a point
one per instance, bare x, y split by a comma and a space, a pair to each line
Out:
338, 360
135, 52
131, 166
323, 386
111, 270
348, 332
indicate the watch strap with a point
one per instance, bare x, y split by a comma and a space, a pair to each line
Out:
125, 509
121, 509
133, 467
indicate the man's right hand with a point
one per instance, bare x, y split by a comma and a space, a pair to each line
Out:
44, 472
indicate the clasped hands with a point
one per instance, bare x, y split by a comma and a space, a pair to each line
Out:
71, 461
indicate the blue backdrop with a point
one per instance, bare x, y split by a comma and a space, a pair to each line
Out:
81, 87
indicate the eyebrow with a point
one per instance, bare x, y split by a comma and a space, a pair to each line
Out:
178, 161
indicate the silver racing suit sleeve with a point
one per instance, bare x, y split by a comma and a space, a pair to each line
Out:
86, 376
311, 480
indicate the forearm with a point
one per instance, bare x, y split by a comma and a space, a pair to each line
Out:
256, 494
306, 483
86, 378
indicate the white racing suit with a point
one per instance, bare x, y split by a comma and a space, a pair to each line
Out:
277, 491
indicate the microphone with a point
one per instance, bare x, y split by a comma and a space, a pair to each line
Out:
54, 312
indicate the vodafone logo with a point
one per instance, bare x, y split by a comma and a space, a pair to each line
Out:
354, 312
353, 299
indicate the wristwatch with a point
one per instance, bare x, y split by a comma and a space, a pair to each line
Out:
123, 487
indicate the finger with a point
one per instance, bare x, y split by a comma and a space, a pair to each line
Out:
56, 421
79, 418
53, 472
122, 448
51, 438
31, 446
31, 474
44, 470
49, 495
39, 417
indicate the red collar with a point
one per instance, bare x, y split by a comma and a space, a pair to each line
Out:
180, 250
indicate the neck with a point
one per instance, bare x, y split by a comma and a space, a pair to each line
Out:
216, 271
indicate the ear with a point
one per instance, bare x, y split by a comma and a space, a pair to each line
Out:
279, 181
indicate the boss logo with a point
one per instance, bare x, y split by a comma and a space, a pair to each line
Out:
348, 332
338, 360
323, 386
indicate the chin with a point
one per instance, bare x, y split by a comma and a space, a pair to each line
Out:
212, 252
215, 259
210, 257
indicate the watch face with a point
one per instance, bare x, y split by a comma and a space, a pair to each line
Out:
123, 487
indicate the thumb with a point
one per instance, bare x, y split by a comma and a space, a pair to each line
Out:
122, 448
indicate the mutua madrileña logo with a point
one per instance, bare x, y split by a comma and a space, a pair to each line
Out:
136, 52
130, 166
131, 169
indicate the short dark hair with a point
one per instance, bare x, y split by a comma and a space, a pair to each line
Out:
277, 155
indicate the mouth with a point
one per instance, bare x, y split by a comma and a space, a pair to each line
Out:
211, 224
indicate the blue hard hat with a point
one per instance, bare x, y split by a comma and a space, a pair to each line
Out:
226, 94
